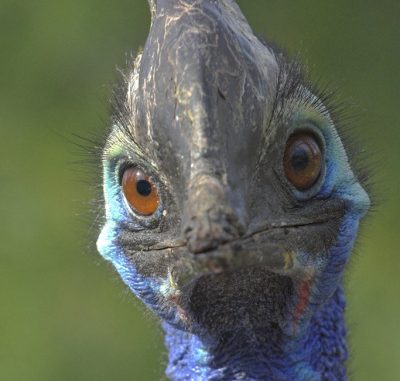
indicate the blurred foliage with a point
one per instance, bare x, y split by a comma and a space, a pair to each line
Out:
65, 315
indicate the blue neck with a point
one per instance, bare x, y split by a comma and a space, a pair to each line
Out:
318, 354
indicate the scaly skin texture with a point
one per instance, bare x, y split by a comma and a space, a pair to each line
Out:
244, 269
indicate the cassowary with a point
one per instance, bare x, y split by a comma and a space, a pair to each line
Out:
231, 206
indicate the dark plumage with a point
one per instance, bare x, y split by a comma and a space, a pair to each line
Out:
247, 209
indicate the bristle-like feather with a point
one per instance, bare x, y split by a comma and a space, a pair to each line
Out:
294, 83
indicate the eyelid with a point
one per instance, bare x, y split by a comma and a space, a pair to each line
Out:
308, 127
122, 167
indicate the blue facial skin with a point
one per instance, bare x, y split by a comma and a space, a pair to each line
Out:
312, 344
207, 111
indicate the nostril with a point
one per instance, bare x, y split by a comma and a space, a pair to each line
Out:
199, 247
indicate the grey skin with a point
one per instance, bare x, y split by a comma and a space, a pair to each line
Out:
207, 112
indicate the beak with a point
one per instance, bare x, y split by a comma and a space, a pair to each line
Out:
205, 84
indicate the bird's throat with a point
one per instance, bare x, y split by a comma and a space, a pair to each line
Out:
265, 353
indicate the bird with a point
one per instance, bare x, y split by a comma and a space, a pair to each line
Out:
232, 204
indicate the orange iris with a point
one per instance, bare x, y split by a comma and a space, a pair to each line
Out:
140, 191
302, 161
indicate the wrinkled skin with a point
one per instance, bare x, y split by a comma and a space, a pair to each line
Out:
233, 250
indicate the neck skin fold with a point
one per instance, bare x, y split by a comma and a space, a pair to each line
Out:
318, 353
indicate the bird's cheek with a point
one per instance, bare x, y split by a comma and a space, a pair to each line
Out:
105, 241
107, 246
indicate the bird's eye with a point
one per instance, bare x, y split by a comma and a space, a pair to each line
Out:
140, 191
302, 160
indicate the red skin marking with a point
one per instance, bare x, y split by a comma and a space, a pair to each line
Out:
304, 298
174, 299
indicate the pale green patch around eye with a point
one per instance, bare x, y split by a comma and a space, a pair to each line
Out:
121, 153
114, 149
342, 178
119, 145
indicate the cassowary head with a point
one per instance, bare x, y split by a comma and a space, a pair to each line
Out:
230, 200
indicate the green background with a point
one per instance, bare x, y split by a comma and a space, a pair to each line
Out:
64, 313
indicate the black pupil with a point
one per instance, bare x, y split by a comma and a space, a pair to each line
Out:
300, 159
143, 187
